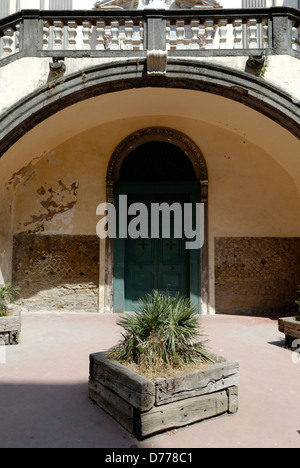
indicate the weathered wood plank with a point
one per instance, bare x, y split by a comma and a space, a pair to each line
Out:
289, 326
233, 399
137, 390
119, 409
291, 330
212, 379
178, 414
9, 323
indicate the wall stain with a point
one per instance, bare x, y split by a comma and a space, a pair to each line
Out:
20, 175
58, 201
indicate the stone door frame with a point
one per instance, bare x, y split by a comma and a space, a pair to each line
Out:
131, 142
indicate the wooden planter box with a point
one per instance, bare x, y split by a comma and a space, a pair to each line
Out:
145, 407
291, 328
10, 327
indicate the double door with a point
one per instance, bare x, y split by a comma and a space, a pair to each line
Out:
160, 263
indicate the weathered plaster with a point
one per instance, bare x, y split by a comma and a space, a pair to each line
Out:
251, 193
253, 164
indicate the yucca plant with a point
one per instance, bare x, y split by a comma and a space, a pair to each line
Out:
163, 332
7, 296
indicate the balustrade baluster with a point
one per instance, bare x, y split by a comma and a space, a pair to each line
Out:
195, 34
128, 34
168, 33
137, 39
223, 33
180, 33
202, 36
252, 33
115, 44
72, 33
86, 35
173, 37
141, 34
46, 34
17, 37
58, 33
238, 33
295, 36
8, 40
209, 33
100, 29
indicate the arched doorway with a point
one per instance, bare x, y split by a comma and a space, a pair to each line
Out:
156, 167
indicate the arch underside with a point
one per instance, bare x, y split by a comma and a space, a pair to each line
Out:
237, 86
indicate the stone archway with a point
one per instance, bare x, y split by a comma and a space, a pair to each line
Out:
123, 150
113, 77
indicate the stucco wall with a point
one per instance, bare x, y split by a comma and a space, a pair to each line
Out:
251, 194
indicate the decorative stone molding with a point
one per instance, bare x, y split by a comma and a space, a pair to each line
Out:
256, 62
57, 67
123, 150
155, 134
156, 62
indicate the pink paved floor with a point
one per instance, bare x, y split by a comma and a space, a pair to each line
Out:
44, 400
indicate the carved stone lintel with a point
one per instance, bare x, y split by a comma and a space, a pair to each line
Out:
156, 134
156, 62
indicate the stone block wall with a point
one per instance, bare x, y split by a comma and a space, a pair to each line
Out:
57, 272
257, 276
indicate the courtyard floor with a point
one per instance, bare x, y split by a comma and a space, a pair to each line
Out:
44, 396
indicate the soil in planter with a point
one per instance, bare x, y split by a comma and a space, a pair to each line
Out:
166, 371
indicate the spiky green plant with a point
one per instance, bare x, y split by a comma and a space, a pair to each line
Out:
7, 296
163, 332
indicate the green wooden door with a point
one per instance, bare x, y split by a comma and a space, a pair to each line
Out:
145, 263
155, 263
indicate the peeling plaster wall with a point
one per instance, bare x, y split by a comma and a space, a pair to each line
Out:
59, 193
54, 266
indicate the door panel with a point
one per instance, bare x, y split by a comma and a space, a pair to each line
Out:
161, 263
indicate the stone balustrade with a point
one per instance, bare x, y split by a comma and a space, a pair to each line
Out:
10, 40
214, 33
92, 33
99, 34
